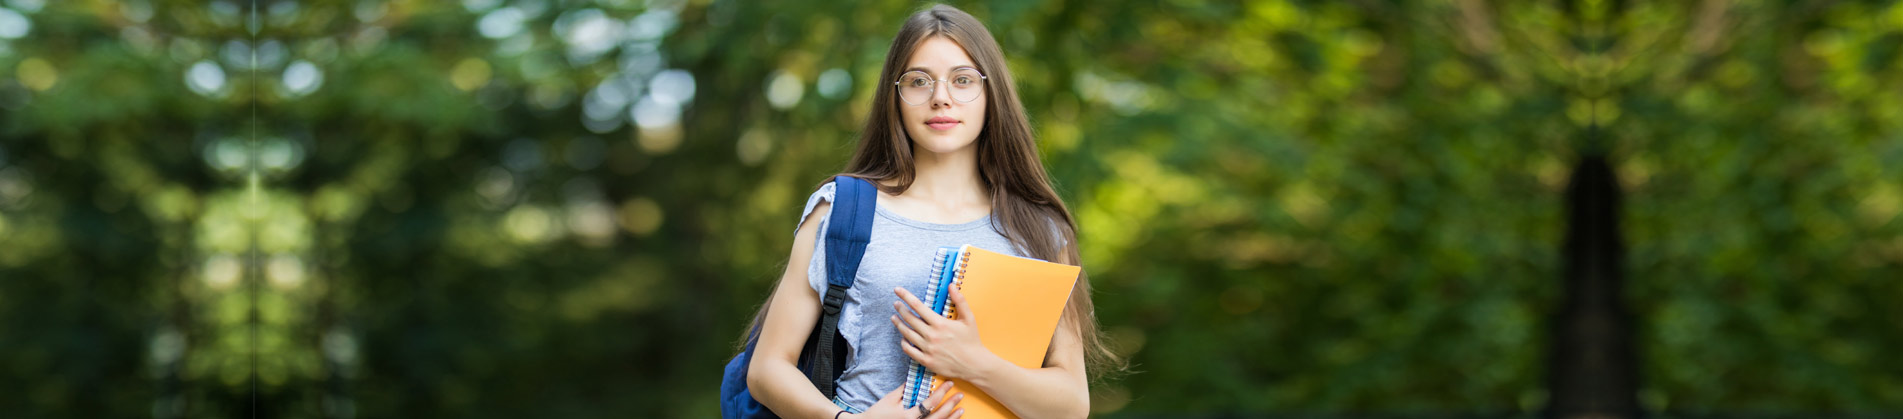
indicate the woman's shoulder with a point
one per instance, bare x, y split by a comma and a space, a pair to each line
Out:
825, 192
823, 196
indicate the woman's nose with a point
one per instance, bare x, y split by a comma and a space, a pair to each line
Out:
941, 94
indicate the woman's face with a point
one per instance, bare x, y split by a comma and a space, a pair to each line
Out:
950, 118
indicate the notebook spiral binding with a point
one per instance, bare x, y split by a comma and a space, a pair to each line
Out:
950, 312
917, 377
958, 283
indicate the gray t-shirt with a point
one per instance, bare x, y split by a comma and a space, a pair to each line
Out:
899, 255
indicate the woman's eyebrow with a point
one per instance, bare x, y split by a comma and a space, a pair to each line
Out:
956, 67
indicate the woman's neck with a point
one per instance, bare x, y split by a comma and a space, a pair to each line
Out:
949, 178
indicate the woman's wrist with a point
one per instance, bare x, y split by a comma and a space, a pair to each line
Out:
989, 370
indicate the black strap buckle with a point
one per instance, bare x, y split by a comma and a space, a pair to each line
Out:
835, 299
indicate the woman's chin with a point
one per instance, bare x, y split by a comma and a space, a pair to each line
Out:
943, 143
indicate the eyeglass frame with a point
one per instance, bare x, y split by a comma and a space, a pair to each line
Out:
900, 90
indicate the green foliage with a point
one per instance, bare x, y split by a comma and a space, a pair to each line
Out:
546, 208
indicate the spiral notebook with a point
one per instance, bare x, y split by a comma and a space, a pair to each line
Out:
1020, 300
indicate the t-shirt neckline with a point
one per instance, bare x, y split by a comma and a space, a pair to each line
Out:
881, 209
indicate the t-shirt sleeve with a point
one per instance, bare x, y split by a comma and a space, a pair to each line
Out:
816, 268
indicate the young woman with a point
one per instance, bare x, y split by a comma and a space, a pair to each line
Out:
950, 147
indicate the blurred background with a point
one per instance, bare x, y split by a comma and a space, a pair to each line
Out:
566, 208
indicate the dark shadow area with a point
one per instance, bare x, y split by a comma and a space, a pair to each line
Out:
1593, 364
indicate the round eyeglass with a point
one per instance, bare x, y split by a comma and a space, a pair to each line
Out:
964, 84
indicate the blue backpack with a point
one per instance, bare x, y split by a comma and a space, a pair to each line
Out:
824, 356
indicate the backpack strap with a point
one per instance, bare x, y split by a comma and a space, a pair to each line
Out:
854, 201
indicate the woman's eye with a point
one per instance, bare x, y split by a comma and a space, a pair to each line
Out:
962, 80
916, 83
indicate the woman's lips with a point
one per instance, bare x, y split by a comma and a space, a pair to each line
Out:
941, 123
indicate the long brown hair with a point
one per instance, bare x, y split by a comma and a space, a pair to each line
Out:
1024, 206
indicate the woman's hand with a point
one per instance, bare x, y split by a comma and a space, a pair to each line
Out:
950, 348
888, 406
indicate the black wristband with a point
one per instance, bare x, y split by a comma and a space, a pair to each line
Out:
836, 415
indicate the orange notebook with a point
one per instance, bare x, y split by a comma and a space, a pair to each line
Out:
1019, 301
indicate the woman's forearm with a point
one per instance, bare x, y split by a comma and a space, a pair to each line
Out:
1050, 392
784, 390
